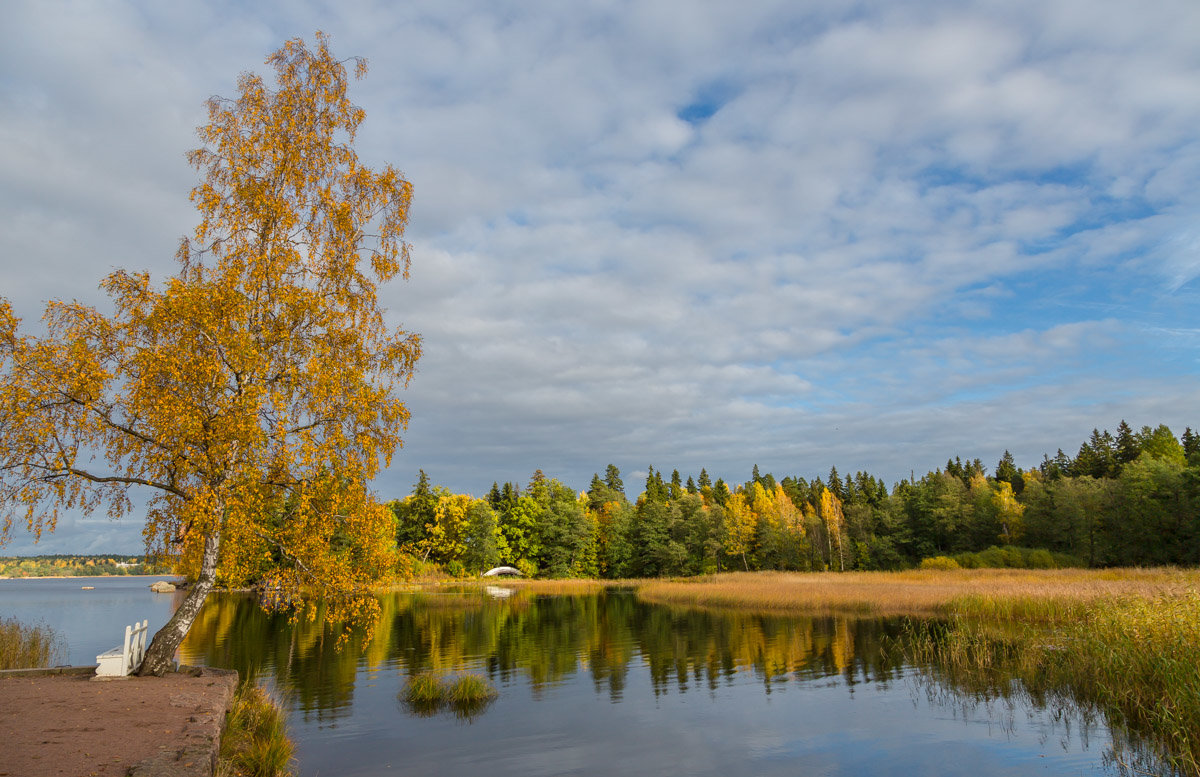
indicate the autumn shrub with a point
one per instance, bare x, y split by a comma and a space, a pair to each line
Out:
939, 562
1040, 559
27, 647
1010, 557
255, 742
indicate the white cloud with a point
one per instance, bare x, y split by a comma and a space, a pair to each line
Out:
898, 224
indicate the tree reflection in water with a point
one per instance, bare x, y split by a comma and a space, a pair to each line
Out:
543, 642
542, 638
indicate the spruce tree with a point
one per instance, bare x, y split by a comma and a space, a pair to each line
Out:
676, 490
1127, 447
612, 478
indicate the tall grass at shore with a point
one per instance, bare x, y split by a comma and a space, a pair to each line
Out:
1139, 660
255, 742
27, 647
1135, 660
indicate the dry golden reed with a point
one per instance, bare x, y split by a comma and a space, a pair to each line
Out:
1030, 594
27, 647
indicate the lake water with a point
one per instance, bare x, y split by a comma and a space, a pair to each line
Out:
595, 685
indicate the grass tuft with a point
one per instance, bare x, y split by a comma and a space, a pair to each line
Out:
466, 695
424, 694
255, 742
27, 647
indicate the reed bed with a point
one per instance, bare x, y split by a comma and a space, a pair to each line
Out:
555, 587
27, 647
1029, 594
1140, 660
255, 742
1136, 660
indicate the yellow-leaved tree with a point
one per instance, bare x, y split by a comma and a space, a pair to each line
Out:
251, 394
830, 510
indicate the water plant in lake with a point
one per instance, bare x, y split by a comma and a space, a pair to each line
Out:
255, 742
466, 695
424, 694
27, 647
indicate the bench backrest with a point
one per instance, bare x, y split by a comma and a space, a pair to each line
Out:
135, 645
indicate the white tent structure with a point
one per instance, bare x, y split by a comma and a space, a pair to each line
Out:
503, 571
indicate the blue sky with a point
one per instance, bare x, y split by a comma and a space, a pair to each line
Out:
870, 235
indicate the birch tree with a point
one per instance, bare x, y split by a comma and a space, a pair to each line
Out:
251, 393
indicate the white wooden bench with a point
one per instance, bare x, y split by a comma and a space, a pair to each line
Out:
122, 660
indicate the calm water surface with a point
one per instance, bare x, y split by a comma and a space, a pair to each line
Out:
595, 685
89, 622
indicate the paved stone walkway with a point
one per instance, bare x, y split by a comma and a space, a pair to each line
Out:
67, 724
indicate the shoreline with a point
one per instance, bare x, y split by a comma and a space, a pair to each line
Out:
82, 577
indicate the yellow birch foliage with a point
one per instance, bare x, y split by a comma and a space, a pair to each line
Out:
252, 392
1010, 512
790, 518
740, 527
446, 538
830, 510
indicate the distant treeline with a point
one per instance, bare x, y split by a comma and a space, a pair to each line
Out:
1125, 500
75, 566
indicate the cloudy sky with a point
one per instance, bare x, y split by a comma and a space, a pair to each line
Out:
684, 234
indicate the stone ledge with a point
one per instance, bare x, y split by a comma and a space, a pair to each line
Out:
47, 671
196, 754
57, 721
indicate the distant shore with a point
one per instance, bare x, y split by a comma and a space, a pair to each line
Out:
81, 577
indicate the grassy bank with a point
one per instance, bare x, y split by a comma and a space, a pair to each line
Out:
1029, 594
27, 647
1124, 641
255, 742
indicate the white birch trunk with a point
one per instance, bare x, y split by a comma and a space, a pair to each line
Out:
160, 656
